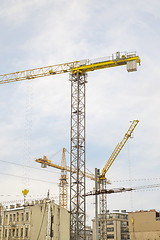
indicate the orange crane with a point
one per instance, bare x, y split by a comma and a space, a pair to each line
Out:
78, 78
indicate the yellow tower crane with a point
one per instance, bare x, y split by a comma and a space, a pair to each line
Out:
102, 180
78, 75
63, 185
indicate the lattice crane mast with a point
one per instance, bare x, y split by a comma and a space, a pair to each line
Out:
63, 185
78, 74
102, 180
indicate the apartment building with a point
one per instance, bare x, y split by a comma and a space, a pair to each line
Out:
36, 220
144, 225
115, 224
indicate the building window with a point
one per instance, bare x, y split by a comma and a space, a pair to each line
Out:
109, 222
9, 232
5, 234
110, 236
21, 232
22, 216
6, 219
111, 229
0, 220
27, 216
13, 233
17, 217
14, 217
10, 218
52, 220
26, 232
17, 232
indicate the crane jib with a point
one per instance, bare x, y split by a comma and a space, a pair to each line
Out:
82, 66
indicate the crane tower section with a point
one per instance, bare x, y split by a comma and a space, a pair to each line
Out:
63, 185
77, 156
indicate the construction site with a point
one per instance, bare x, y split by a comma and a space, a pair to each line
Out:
78, 78
77, 169
79, 137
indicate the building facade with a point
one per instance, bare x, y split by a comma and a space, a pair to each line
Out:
144, 225
39, 220
116, 225
88, 233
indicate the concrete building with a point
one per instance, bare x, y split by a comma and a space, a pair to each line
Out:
89, 233
144, 225
38, 220
116, 225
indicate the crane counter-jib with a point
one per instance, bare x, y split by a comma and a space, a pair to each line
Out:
82, 66
131, 63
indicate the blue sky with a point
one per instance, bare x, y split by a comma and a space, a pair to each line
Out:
35, 115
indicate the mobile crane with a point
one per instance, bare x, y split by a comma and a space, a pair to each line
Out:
78, 74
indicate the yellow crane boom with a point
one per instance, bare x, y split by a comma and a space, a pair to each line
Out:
83, 66
45, 162
118, 148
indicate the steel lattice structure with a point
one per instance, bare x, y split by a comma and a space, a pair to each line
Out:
103, 209
77, 157
63, 185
